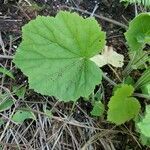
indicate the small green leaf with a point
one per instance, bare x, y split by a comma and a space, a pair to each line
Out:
139, 32
144, 140
19, 91
129, 80
5, 103
144, 124
21, 115
146, 89
55, 55
6, 72
98, 109
123, 107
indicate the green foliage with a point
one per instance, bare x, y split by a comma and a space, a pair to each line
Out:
98, 109
55, 55
138, 33
6, 72
144, 124
129, 80
5, 102
21, 115
138, 60
146, 89
19, 91
123, 107
145, 140
145, 3
144, 79
60, 56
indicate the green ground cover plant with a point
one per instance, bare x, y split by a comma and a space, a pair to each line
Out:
62, 57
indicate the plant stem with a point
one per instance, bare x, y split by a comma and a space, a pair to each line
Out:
142, 95
109, 80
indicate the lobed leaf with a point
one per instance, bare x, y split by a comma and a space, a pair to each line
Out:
123, 107
55, 55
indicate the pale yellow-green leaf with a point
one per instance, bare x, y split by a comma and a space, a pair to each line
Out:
108, 56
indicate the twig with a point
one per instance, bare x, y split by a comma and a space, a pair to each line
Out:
9, 119
97, 16
6, 57
11, 144
6, 126
95, 8
10, 20
73, 122
115, 73
109, 80
2, 44
142, 95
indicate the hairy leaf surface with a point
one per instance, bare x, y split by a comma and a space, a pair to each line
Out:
55, 55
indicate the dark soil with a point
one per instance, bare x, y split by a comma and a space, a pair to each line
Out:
14, 15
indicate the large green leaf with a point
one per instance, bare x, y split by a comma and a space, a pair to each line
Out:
138, 33
55, 55
123, 107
